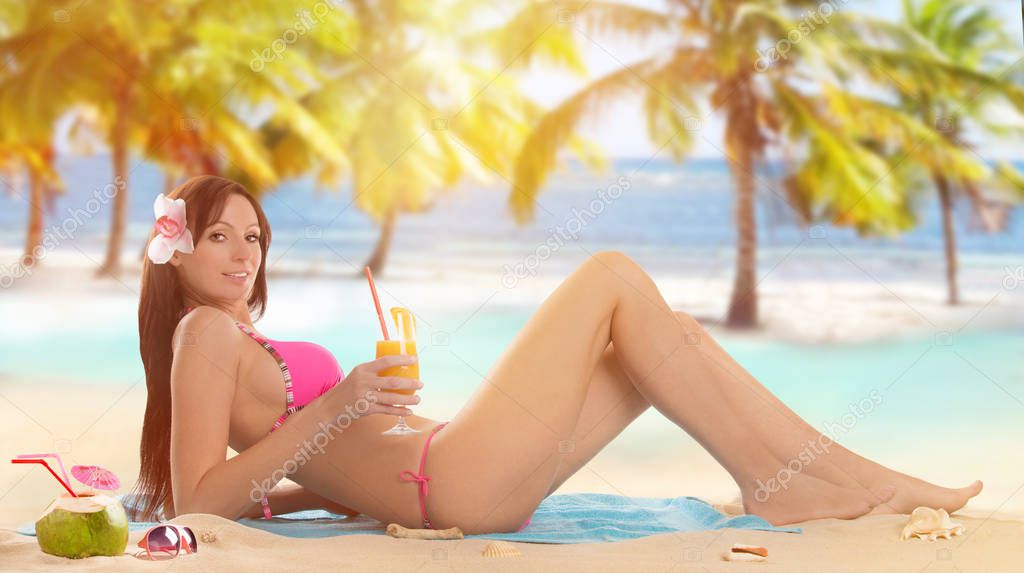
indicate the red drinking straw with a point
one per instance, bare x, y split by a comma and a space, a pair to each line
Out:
376, 302
47, 466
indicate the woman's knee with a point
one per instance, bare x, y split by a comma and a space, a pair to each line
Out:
614, 264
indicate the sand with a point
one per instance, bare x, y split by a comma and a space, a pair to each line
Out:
866, 544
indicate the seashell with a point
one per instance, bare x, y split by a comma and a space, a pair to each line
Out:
501, 549
207, 536
741, 552
931, 524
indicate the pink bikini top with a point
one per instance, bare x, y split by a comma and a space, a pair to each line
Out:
309, 370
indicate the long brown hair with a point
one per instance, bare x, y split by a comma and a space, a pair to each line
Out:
161, 303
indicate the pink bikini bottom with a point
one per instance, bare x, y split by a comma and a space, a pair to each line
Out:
422, 480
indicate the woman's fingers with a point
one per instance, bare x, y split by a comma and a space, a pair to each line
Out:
395, 398
382, 391
399, 383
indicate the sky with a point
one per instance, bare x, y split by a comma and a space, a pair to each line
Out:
621, 130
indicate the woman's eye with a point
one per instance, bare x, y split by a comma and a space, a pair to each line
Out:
251, 237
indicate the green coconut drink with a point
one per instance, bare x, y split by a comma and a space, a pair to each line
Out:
83, 526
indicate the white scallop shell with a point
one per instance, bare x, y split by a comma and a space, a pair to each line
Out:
931, 524
501, 549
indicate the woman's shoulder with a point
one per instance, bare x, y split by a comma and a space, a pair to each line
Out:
206, 326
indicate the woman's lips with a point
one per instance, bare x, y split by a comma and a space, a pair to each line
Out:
237, 278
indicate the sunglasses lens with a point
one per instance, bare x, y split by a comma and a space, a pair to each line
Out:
189, 538
163, 542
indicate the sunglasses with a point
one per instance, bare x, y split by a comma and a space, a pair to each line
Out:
166, 541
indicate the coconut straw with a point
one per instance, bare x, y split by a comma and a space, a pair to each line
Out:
54, 455
376, 302
47, 466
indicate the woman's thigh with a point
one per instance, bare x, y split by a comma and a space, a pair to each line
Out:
613, 402
611, 405
501, 454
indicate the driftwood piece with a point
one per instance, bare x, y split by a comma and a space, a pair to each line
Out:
399, 532
741, 552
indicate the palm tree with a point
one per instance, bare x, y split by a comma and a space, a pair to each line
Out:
43, 183
415, 108
26, 133
716, 54
948, 66
172, 83
96, 54
798, 102
921, 93
969, 36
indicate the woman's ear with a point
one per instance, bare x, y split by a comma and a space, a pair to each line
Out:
175, 260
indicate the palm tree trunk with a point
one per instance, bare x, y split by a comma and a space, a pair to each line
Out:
34, 236
743, 303
380, 252
949, 235
119, 154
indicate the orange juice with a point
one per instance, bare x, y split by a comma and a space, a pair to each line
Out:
393, 347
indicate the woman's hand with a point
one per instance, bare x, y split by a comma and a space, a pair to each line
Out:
363, 383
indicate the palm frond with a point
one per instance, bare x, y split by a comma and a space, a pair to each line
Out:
538, 154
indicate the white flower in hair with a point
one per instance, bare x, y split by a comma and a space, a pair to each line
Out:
171, 232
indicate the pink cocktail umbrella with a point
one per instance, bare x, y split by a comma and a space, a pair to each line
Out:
96, 477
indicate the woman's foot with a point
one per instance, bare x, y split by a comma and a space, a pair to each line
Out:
807, 497
912, 493
843, 468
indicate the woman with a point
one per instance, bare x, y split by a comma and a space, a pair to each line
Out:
601, 349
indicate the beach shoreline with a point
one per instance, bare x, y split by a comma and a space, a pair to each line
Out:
802, 299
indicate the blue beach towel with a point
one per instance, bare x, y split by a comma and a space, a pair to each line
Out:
562, 518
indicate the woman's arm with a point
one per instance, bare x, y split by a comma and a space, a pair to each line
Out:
203, 383
294, 497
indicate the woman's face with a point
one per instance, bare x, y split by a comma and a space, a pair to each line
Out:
226, 257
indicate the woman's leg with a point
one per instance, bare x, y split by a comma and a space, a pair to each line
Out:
501, 454
611, 405
827, 459
613, 402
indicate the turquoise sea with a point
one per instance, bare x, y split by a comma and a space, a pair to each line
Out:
918, 378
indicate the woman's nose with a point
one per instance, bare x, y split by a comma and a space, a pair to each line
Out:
241, 251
